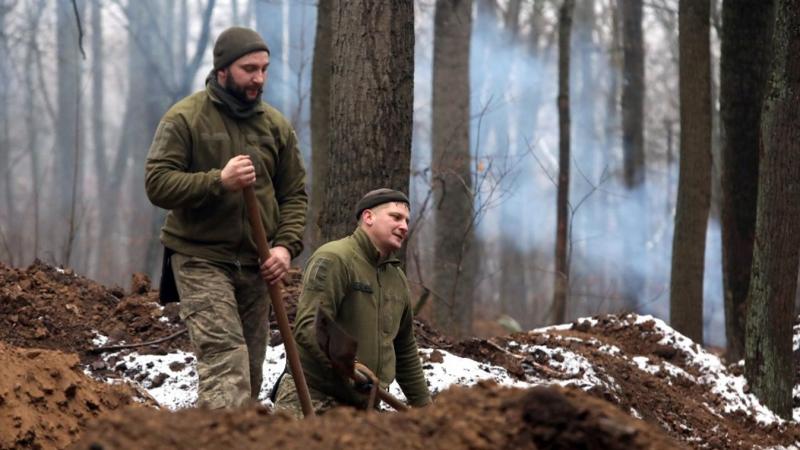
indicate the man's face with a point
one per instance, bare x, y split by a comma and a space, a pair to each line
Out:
387, 226
246, 76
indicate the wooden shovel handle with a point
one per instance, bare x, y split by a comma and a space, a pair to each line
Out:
276, 296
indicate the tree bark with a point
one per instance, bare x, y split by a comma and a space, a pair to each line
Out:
769, 363
320, 121
694, 185
454, 212
561, 282
746, 32
633, 93
371, 113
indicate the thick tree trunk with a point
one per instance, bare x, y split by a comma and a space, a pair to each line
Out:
561, 282
320, 121
454, 213
694, 184
769, 363
746, 34
371, 113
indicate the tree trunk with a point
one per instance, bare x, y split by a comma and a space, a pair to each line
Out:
320, 121
9, 216
561, 281
97, 114
633, 152
67, 131
769, 363
694, 184
743, 71
371, 98
633, 93
454, 213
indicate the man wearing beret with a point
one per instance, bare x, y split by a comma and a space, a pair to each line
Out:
358, 283
207, 148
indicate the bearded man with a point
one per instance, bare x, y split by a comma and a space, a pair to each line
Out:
207, 148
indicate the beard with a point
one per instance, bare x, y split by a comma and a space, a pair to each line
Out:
240, 92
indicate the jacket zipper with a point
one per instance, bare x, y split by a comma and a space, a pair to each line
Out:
378, 321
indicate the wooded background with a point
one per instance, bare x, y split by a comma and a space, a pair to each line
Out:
564, 158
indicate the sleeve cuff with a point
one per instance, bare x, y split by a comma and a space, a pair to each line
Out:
216, 188
294, 247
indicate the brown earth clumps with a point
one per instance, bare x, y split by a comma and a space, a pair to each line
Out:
483, 417
46, 400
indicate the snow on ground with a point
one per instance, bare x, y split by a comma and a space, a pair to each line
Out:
172, 380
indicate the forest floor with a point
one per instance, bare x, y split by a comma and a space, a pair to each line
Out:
608, 382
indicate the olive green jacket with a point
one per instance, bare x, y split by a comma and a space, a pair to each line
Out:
369, 298
193, 142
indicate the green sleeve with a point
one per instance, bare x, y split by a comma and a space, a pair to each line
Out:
290, 192
325, 281
409, 368
167, 182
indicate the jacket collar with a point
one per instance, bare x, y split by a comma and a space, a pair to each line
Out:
370, 251
228, 103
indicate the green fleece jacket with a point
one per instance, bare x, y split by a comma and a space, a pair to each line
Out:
369, 298
192, 144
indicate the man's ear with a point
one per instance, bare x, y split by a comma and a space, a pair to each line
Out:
222, 74
368, 217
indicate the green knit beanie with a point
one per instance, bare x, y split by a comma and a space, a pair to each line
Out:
234, 43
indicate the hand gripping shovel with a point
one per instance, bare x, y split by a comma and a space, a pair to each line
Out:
276, 296
341, 349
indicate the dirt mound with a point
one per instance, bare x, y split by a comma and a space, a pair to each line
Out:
483, 417
46, 399
48, 307
633, 367
646, 369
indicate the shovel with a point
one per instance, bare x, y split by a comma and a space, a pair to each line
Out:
341, 349
276, 296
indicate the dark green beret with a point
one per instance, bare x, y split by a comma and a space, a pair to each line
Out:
378, 197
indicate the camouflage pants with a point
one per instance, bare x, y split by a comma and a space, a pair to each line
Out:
287, 399
226, 311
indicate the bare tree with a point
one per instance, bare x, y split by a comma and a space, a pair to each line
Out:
561, 282
5, 140
152, 87
746, 31
320, 120
769, 360
454, 261
34, 13
371, 113
633, 93
633, 144
694, 185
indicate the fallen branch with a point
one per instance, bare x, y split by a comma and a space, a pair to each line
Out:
109, 348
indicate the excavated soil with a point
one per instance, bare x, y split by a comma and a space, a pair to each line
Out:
46, 400
49, 318
484, 417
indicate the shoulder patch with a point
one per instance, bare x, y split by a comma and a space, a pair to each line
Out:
317, 275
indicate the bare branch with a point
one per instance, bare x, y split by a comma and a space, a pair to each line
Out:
80, 28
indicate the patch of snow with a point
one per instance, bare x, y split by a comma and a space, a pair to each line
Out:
99, 339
